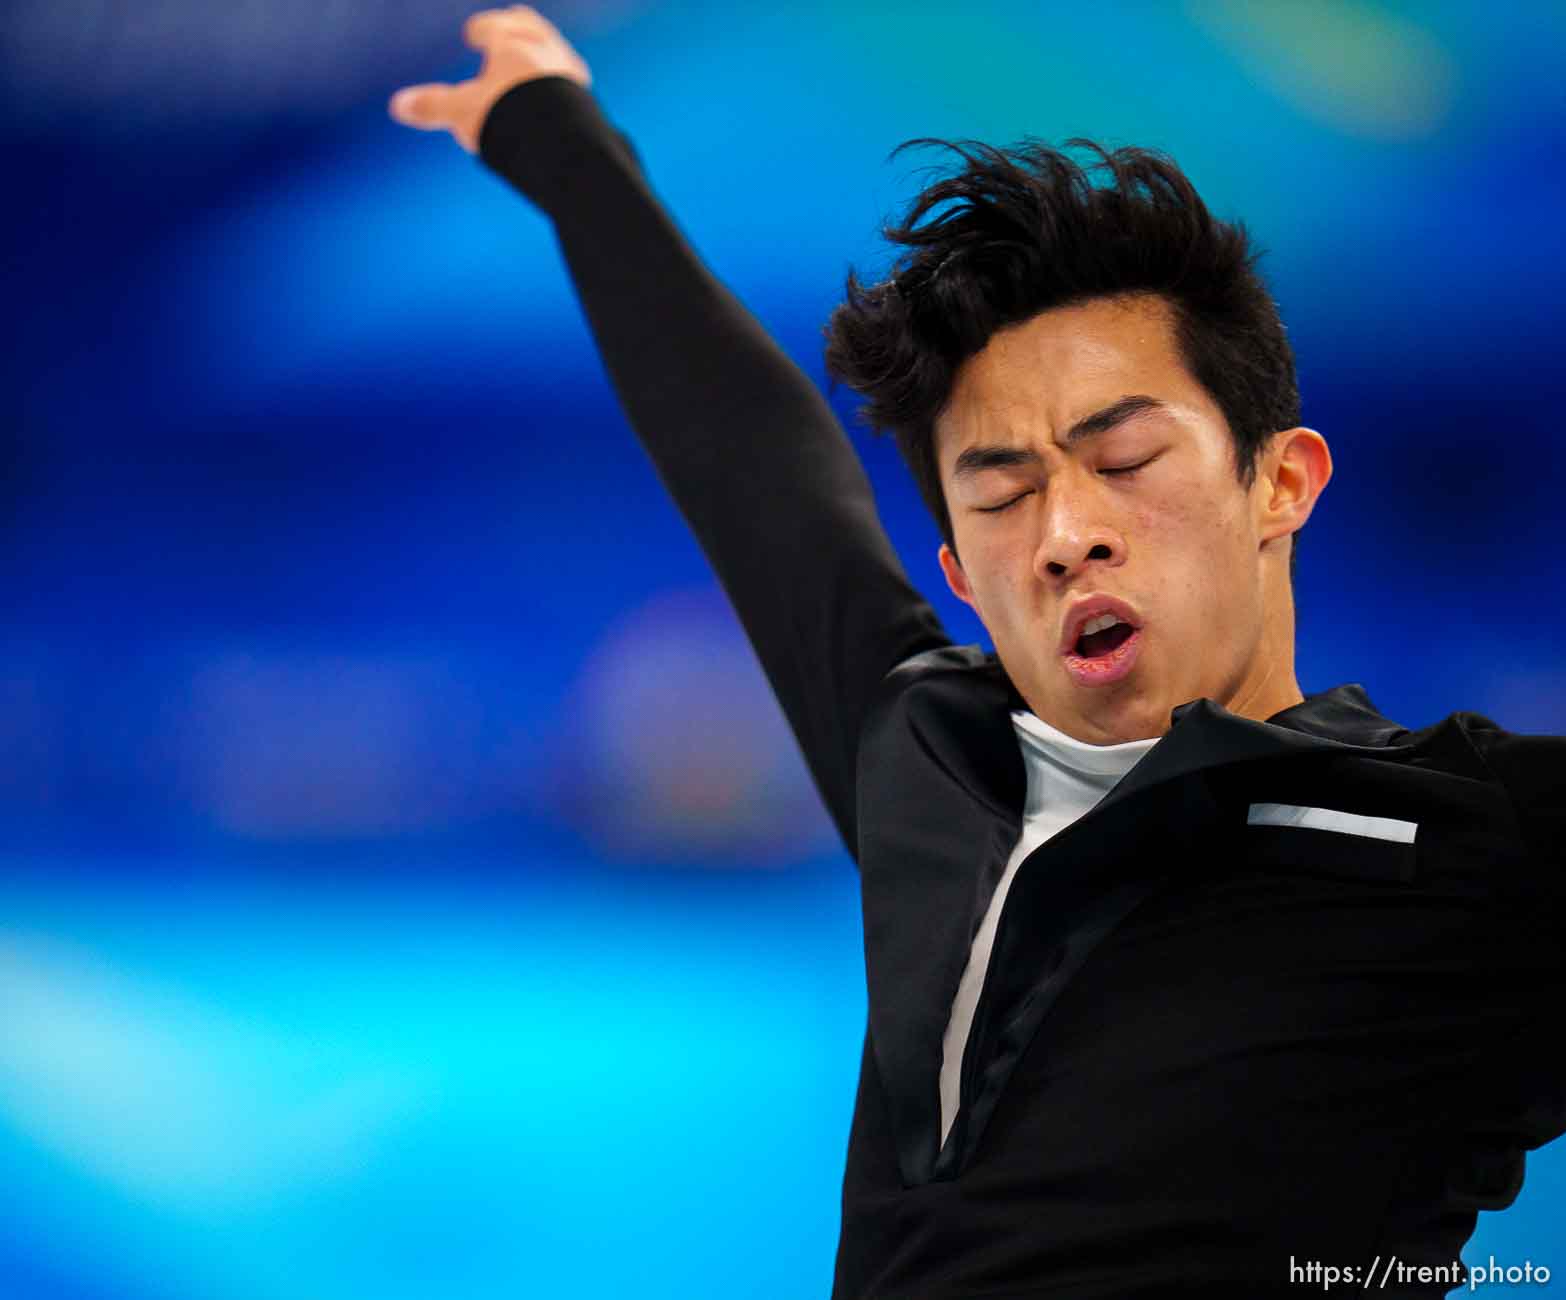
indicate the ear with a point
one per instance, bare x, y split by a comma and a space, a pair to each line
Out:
1294, 469
956, 579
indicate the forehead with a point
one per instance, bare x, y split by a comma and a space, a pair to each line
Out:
1038, 377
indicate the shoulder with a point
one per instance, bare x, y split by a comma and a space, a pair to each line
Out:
963, 661
952, 695
963, 679
1531, 767
1530, 771
938, 741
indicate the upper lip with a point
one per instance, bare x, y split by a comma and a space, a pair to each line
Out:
1090, 607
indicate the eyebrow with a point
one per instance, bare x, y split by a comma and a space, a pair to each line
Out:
976, 459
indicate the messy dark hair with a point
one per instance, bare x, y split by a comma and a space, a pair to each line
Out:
1027, 229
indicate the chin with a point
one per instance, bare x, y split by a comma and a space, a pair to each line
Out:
1139, 730
1136, 718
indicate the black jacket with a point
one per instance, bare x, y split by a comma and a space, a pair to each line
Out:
1205, 1048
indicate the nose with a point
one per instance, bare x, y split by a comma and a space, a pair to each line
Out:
1077, 535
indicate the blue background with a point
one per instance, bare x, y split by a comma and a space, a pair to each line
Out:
381, 915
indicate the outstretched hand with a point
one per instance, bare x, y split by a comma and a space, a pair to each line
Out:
518, 44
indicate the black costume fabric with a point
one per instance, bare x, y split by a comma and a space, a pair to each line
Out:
1205, 1049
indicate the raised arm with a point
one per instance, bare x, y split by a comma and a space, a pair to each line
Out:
747, 447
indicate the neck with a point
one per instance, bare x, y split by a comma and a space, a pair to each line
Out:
1271, 686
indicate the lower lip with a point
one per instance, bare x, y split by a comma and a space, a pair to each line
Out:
1105, 670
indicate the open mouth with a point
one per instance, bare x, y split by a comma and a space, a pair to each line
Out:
1102, 636
1104, 652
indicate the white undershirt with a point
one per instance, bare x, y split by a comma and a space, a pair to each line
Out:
1066, 777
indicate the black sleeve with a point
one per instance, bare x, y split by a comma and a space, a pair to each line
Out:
1533, 771
1526, 1072
749, 450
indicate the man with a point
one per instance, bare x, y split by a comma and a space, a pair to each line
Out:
1177, 980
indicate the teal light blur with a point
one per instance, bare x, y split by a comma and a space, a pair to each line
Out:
585, 1084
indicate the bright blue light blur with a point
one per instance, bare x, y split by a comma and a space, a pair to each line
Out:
285, 1090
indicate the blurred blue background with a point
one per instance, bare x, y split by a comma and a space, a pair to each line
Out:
383, 913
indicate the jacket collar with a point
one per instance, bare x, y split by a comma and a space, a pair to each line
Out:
1344, 714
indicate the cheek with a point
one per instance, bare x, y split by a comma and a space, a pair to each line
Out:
1002, 587
1201, 548
996, 596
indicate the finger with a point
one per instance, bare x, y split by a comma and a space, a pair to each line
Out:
529, 20
429, 106
487, 26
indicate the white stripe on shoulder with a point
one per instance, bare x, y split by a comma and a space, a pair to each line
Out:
1330, 819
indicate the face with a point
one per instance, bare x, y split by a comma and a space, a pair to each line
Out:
1106, 542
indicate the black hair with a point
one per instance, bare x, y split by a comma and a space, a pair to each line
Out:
1026, 230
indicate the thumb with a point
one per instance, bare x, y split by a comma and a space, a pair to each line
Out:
430, 107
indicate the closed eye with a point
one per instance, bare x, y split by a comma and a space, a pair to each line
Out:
1121, 471
1004, 505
